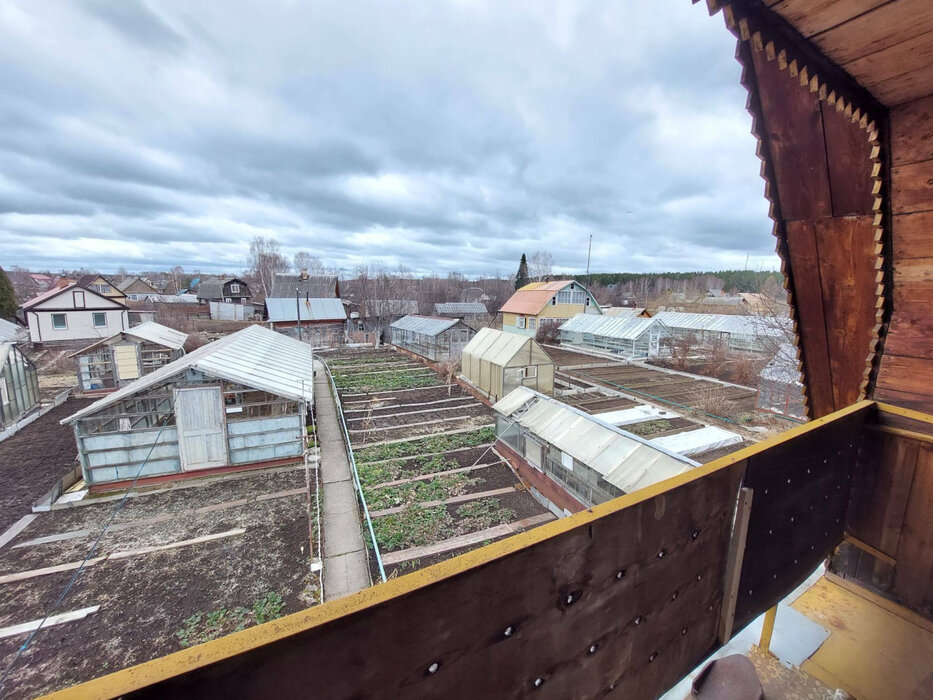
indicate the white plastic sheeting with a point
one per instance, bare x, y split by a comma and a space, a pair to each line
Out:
626, 461
637, 414
692, 442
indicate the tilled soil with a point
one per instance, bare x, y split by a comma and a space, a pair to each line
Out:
146, 598
460, 411
361, 440
440, 391
34, 459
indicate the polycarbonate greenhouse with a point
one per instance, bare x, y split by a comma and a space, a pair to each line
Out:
436, 339
755, 333
629, 336
19, 384
496, 362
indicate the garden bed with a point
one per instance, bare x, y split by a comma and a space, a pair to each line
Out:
403, 418
407, 432
440, 488
400, 399
426, 445
393, 470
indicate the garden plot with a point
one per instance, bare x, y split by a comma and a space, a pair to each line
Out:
432, 483
179, 566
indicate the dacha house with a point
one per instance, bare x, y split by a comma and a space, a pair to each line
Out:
542, 303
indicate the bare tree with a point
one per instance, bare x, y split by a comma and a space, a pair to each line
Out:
178, 275
312, 264
540, 265
264, 261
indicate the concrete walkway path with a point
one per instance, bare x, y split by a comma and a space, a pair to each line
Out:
346, 561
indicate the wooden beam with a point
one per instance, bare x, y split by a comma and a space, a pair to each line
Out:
734, 564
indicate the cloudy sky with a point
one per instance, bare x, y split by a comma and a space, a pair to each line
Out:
449, 135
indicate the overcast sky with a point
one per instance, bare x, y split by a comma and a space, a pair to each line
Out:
445, 136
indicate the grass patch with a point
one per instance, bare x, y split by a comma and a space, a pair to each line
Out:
648, 427
483, 514
413, 527
432, 443
437, 489
203, 627
375, 474
365, 360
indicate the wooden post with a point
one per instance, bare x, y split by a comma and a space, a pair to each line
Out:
734, 563
767, 630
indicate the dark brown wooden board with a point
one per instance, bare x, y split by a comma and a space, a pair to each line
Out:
899, 72
912, 187
912, 132
905, 399
801, 493
848, 154
560, 596
847, 276
913, 581
880, 489
791, 118
913, 236
803, 258
910, 333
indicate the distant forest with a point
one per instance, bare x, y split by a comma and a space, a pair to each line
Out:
741, 280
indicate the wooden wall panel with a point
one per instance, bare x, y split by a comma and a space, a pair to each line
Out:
794, 125
801, 493
846, 248
912, 187
803, 258
909, 374
848, 155
913, 235
911, 135
811, 17
560, 597
913, 581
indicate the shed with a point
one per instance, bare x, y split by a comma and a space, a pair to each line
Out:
591, 459
238, 402
496, 363
779, 387
127, 356
431, 337
322, 321
19, 384
631, 336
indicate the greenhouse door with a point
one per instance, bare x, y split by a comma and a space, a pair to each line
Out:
202, 437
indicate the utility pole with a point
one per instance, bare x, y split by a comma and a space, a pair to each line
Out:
589, 250
298, 308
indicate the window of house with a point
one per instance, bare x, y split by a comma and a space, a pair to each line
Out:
587, 303
577, 297
520, 322
102, 288
564, 297
554, 300
59, 322
100, 320
530, 372
234, 288
78, 299
532, 323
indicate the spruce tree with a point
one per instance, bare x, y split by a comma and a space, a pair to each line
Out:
8, 303
521, 279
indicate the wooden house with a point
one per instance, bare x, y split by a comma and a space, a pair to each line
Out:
236, 403
231, 290
73, 314
542, 303
126, 356
102, 285
136, 288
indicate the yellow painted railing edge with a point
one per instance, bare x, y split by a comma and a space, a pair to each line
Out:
177, 663
904, 412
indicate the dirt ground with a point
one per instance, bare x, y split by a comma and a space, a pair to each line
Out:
150, 602
34, 459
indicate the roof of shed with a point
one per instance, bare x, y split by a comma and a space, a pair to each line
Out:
254, 356
10, 332
626, 461
425, 325
532, 298
783, 366
391, 307
454, 308
285, 309
126, 283
727, 323
495, 346
213, 288
150, 332
316, 286
621, 327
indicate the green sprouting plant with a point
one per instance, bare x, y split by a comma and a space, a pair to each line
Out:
426, 445
203, 627
649, 427
413, 527
437, 489
482, 514
269, 607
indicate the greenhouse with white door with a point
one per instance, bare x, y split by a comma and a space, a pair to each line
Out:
239, 402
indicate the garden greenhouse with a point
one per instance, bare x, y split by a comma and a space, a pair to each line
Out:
629, 336
434, 338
